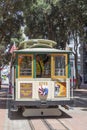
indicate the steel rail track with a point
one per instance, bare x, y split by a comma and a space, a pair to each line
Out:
46, 122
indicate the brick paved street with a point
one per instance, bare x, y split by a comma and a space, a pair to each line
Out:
74, 119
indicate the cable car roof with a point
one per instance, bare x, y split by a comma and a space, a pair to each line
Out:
39, 46
45, 50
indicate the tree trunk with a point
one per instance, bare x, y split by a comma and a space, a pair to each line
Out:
76, 70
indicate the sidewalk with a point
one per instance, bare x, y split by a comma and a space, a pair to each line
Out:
80, 97
3, 99
82, 91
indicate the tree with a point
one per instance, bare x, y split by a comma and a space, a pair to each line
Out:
11, 20
58, 20
76, 16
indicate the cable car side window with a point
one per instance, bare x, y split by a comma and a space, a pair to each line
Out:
25, 65
59, 65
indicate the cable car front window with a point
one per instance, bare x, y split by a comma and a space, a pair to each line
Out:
43, 66
25, 64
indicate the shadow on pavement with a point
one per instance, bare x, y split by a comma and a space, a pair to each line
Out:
18, 116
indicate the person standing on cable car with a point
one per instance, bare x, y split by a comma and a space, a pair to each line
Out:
39, 66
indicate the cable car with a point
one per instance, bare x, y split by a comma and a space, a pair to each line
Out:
40, 78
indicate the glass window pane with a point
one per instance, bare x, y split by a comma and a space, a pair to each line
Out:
60, 66
25, 63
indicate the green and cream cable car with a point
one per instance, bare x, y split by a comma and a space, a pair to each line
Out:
40, 78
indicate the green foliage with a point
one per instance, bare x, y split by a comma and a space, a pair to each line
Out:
56, 20
52, 19
11, 20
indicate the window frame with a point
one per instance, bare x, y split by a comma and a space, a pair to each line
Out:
53, 66
25, 76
